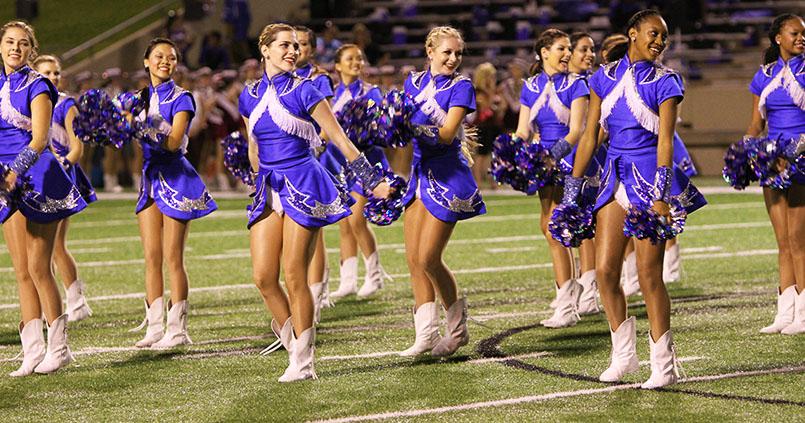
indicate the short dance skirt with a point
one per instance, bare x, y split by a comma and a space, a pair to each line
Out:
170, 181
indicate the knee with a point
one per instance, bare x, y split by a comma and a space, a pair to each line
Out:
175, 261
153, 259
38, 270
429, 262
266, 282
543, 224
607, 274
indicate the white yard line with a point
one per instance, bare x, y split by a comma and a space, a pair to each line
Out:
513, 357
545, 397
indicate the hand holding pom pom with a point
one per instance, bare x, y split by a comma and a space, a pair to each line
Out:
503, 167
643, 222
738, 171
384, 211
236, 157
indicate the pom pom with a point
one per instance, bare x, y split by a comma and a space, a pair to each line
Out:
395, 126
571, 224
769, 155
236, 157
504, 166
383, 212
99, 120
532, 159
23, 184
643, 222
130, 102
737, 171
362, 122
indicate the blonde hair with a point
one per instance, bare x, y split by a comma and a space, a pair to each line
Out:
45, 58
270, 31
440, 32
29, 31
484, 76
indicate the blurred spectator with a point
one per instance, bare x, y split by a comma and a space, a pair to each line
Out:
487, 118
510, 92
213, 54
238, 17
179, 33
327, 43
363, 38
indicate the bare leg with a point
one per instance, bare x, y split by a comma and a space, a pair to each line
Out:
587, 255
363, 234
65, 263
15, 233
796, 232
315, 273
150, 222
173, 245
549, 198
777, 207
432, 242
610, 245
265, 238
349, 246
412, 232
39, 247
297, 251
649, 271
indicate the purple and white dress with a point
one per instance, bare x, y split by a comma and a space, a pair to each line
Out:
440, 174
631, 95
332, 159
290, 180
61, 146
168, 178
53, 195
781, 88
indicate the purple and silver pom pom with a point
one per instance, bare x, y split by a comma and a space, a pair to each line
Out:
23, 183
384, 211
738, 170
643, 222
770, 154
503, 167
99, 120
571, 224
360, 119
394, 121
532, 161
236, 157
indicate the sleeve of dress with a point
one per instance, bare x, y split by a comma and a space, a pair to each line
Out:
758, 83
185, 103
325, 85
670, 86
463, 95
246, 102
595, 82
579, 89
309, 95
43, 85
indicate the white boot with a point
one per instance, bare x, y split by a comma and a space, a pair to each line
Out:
153, 323
33, 347
77, 308
631, 284
798, 325
58, 353
785, 310
671, 264
373, 280
176, 329
283, 335
349, 279
426, 326
664, 370
110, 183
623, 358
555, 301
588, 303
325, 293
317, 292
300, 357
456, 334
566, 313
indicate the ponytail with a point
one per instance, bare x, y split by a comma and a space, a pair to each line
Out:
545, 40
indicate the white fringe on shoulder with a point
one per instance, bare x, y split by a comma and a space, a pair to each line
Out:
284, 119
59, 135
627, 88
427, 97
9, 113
342, 101
785, 79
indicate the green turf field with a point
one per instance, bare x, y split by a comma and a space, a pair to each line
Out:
512, 370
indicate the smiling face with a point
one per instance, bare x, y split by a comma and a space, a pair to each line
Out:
282, 54
583, 56
161, 63
649, 39
556, 58
15, 48
50, 70
791, 38
351, 64
305, 48
445, 56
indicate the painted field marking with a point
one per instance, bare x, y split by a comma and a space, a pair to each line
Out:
748, 253
511, 357
681, 359
546, 397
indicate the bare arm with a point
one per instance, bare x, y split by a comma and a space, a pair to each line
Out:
178, 128
665, 139
323, 115
523, 125
254, 160
589, 139
578, 110
758, 124
76, 146
455, 116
